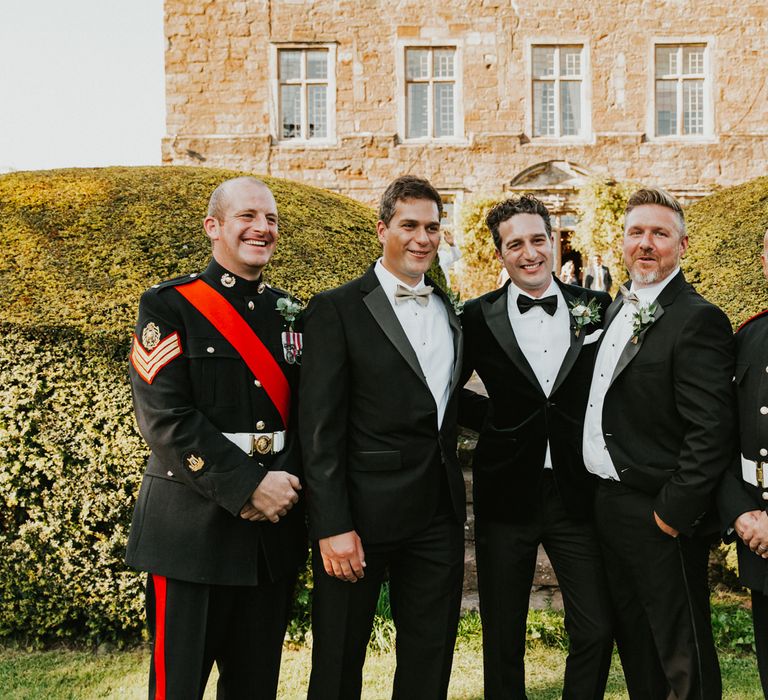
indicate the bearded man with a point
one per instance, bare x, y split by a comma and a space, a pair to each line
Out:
658, 433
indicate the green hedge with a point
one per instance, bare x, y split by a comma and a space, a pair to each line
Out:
80, 247
726, 234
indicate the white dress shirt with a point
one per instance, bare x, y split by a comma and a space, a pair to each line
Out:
429, 334
597, 459
543, 339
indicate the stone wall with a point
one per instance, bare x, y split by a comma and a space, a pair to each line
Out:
220, 109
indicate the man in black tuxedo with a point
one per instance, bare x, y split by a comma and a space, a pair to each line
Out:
380, 371
743, 496
598, 276
532, 344
658, 433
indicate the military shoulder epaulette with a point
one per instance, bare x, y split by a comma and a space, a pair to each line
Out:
749, 320
176, 281
279, 291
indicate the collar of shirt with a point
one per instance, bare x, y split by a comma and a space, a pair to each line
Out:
389, 282
649, 294
514, 291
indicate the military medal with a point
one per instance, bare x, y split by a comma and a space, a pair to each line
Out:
292, 343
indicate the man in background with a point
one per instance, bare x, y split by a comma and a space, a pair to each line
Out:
448, 255
598, 276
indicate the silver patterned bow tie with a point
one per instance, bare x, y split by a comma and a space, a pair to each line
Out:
628, 297
420, 296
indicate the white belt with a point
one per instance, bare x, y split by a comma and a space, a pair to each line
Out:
261, 443
753, 472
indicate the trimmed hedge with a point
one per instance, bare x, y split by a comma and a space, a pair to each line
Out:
80, 247
481, 267
82, 244
70, 463
726, 233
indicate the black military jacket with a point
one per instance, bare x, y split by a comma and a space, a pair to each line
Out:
186, 523
737, 496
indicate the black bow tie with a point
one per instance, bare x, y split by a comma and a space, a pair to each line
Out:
549, 304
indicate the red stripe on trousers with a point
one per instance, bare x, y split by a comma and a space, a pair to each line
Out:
159, 651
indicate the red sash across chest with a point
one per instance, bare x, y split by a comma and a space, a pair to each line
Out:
240, 335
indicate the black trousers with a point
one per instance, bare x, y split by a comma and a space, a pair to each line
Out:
660, 594
425, 580
760, 622
506, 562
192, 625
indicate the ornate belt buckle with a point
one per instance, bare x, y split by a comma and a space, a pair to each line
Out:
759, 473
263, 444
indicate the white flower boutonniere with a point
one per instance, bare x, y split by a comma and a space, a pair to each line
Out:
584, 313
643, 318
456, 302
289, 309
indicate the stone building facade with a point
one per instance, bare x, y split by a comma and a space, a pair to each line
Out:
477, 95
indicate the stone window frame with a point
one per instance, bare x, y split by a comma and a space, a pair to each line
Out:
709, 135
274, 106
401, 45
586, 135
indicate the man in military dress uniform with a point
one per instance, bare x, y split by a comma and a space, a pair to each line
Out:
216, 524
743, 497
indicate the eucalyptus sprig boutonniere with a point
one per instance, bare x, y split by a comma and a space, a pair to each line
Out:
456, 302
289, 309
584, 312
644, 317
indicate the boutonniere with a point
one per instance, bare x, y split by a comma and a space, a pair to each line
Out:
643, 318
290, 309
456, 302
584, 313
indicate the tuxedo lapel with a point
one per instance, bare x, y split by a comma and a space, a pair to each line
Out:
612, 312
632, 348
382, 312
576, 341
497, 319
666, 298
456, 332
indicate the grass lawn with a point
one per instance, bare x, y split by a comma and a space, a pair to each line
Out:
77, 675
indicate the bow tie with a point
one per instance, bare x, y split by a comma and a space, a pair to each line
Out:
628, 297
420, 296
525, 303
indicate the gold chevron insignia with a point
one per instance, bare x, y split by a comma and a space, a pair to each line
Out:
148, 364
